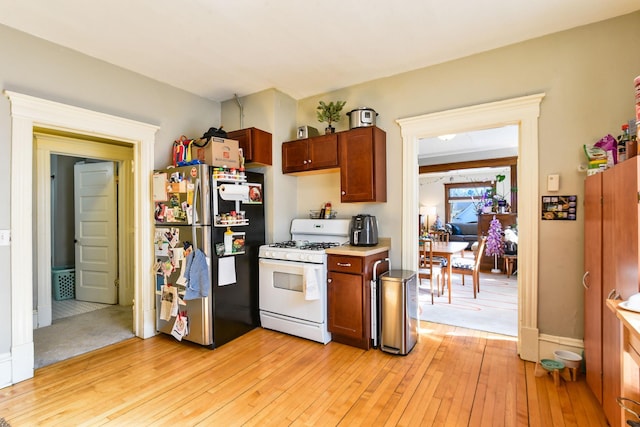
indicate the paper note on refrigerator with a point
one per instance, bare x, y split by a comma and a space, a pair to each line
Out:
226, 271
160, 187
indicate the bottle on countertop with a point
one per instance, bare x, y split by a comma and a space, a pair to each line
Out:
623, 140
327, 210
632, 144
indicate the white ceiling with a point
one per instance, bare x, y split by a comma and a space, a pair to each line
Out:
218, 48
479, 144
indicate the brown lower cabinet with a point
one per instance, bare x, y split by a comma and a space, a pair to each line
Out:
349, 297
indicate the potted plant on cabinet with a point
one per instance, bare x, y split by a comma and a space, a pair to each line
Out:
329, 113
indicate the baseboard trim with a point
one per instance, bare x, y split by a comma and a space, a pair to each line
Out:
5, 370
551, 343
148, 325
528, 344
22, 357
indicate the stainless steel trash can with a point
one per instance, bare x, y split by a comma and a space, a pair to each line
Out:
398, 310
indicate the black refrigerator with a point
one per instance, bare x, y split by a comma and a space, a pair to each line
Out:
215, 281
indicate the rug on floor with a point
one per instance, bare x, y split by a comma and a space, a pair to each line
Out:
494, 310
75, 335
71, 307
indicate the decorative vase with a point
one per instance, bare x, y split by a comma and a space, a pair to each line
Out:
329, 130
502, 206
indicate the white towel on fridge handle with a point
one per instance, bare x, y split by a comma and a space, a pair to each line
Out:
311, 287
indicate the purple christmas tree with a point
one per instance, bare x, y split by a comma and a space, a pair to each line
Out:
494, 246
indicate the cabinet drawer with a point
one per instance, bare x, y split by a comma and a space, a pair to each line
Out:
345, 264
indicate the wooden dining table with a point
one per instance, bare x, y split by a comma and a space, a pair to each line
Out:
446, 250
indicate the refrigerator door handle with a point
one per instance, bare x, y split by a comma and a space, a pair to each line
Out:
194, 214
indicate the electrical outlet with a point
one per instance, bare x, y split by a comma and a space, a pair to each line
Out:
5, 237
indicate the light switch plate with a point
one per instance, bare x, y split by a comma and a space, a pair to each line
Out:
553, 182
5, 237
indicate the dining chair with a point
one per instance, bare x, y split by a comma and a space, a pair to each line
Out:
429, 268
439, 236
468, 266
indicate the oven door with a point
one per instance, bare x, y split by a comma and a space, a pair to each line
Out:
284, 291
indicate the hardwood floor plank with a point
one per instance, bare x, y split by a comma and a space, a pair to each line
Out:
522, 409
453, 377
299, 397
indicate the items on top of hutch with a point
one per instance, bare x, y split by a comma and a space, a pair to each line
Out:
256, 145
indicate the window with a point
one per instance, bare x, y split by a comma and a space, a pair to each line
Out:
461, 200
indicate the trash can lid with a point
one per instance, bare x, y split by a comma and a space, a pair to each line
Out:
399, 275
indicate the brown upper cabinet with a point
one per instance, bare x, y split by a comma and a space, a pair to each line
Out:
363, 165
255, 144
310, 154
361, 155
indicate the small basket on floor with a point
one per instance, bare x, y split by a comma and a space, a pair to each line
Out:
63, 282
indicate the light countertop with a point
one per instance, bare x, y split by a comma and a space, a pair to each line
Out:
384, 244
629, 319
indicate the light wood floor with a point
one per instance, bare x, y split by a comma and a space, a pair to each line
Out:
453, 377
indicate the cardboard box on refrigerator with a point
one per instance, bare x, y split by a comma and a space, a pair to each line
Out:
219, 152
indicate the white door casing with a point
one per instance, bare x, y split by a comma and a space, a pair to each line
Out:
27, 113
95, 211
524, 112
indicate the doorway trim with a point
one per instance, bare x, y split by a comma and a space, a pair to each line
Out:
47, 145
524, 112
28, 112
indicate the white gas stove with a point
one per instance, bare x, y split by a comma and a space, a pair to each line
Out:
293, 278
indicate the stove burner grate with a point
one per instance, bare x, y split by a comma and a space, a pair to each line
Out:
304, 245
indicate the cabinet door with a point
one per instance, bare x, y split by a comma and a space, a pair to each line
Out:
295, 156
345, 304
592, 282
611, 366
255, 144
323, 152
363, 176
612, 267
625, 227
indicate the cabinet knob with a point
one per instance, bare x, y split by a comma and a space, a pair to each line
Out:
309, 160
304, 162
329, 280
344, 192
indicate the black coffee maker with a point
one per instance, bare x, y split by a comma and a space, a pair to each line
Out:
363, 230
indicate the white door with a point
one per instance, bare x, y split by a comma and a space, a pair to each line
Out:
96, 232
